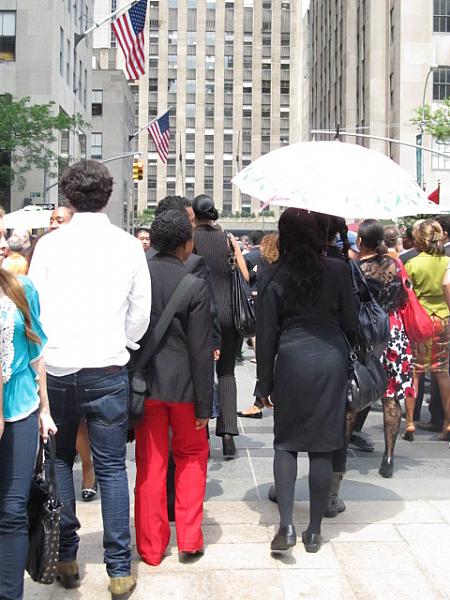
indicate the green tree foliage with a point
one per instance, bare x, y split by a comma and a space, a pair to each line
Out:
27, 133
145, 218
436, 120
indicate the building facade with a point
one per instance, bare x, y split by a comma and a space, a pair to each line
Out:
113, 123
368, 64
39, 59
229, 72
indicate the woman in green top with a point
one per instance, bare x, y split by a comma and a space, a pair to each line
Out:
430, 275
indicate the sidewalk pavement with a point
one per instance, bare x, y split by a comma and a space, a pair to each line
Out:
393, 541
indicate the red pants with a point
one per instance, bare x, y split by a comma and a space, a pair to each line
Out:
190, 453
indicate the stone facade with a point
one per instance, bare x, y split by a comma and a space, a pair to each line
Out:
43, 69
369, 63
115, 124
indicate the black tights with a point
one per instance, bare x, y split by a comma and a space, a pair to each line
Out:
319, 479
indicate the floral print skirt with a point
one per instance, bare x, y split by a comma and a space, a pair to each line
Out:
397, 360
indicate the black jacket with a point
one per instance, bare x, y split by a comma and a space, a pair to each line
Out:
196, 265
182, 368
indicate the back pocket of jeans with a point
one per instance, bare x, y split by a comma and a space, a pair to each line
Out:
108, 405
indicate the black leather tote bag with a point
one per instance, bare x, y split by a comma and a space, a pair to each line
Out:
44, 515
367, 380
243, 307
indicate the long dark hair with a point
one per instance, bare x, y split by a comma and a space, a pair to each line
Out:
371, 233
300, 247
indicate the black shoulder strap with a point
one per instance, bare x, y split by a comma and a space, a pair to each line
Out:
164, 320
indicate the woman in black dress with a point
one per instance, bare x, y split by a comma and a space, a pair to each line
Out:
213, 244
302, 365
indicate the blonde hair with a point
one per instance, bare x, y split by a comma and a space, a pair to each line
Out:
14, 290
269, 247
428, 237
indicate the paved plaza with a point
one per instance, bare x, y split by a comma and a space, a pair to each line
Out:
393, 541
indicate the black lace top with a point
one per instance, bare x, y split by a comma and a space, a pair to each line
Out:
385, 281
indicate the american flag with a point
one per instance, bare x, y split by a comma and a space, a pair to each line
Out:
159, 131
129, 31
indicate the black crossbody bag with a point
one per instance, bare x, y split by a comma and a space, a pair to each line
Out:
139, 382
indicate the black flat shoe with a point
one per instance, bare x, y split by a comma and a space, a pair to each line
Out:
191, 556
255, 415
89, 493
285, 539
312, 541
228, 446
386, 468
361, 444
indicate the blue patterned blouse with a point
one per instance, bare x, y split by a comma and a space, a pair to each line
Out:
18, 353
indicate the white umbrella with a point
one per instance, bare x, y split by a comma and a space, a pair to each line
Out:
335, 178
27, 218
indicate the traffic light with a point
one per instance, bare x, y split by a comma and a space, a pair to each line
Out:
138, 170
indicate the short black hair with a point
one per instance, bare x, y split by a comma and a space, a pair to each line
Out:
256, 237
170, 230
444, 222
139, 229
87, 185
172, 202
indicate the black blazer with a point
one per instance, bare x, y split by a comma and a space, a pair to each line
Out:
182, 368
196, 265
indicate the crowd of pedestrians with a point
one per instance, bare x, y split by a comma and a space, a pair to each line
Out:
79, 300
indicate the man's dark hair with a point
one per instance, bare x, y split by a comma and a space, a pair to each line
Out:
256, 237
171, 203
170, 230
87, 185
444, 222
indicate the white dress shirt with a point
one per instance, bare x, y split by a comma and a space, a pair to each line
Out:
95, 293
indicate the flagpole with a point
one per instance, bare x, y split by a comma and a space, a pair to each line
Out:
180, 158
80, 36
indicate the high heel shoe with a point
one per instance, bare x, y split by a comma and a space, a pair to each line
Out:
312, 541
228, 446
408, 434
89, 493
445, 434
387, 467
284, 539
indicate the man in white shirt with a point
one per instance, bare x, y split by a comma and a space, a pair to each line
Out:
95, 294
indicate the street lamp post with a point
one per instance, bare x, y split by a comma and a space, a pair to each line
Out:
421, 169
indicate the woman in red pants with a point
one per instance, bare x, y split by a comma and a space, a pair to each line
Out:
180, 388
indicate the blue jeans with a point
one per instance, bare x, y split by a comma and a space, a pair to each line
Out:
18, 447
101, 396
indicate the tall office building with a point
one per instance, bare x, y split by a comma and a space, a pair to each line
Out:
229, 71
38, 58
368, 64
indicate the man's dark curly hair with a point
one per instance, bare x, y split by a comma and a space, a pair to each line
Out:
170, 230
172, 202
87, 185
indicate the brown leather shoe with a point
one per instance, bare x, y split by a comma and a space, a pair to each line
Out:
68, 574
121, 588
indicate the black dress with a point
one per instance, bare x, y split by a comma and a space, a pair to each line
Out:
302, 359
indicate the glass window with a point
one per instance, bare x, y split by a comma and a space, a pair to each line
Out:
68, 55
190, 110
96, 145
210, 38
441, 16
440, 162
191, 38
97, 102
61, 51
173, 37
191, 61
441, 83
65, 143
190, 86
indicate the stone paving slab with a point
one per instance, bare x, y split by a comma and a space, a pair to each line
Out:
392, 542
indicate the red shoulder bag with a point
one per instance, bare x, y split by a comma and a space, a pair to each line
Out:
417, 322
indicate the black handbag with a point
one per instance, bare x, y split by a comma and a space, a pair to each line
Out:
367, 380
44, 515
140, 384
242, 302
372, 323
